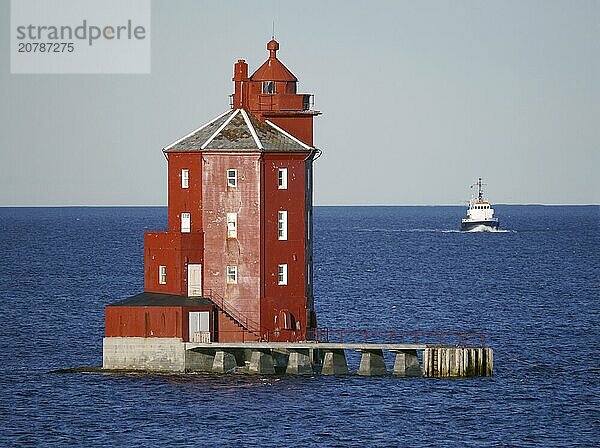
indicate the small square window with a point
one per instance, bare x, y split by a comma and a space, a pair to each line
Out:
185, 178
282, 225
162, 275
282, 178
185, 222
231, 225
282, 274
268, 87
232, 275
232, 178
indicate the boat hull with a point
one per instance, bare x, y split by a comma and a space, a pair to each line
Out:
483, 226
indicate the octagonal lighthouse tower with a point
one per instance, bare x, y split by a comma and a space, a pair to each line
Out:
236, 261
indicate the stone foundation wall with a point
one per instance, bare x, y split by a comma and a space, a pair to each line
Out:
154, 354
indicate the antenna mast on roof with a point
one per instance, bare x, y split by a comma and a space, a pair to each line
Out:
273, 34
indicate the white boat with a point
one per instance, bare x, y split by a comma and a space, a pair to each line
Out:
480, 214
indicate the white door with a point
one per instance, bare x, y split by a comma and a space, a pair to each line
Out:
194, 280
199, 326
185, 222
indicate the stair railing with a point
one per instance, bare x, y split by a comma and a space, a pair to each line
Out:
231, 311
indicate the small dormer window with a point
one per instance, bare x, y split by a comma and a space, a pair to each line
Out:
268, 87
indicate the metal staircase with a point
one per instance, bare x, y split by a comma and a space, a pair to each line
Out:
232, 312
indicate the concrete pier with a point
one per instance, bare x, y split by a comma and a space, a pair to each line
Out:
334, 363
199, 360
151, 354
407, 363
261, 362
298, 358
224, 362
299, 362
372, 363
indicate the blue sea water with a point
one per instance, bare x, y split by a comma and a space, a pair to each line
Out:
533, 289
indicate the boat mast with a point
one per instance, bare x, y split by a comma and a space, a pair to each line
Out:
480, 191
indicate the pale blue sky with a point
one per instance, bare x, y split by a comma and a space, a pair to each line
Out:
418, 99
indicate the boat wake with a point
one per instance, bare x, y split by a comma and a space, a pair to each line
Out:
425, 230
486, 229
406, 230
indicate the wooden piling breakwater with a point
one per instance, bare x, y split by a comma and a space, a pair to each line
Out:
446, 362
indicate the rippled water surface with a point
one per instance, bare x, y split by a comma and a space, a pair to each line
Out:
533, 289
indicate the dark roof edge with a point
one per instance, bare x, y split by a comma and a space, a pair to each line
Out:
156, 299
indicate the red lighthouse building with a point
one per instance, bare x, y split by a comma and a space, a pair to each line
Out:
235, 263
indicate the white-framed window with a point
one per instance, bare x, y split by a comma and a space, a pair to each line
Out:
268, 87
231, 177
282, 274
185, 178
282, 178
282, 224
185, 222
162, 275
231, 225
232, 275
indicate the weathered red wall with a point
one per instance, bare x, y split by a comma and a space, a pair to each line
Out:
185, 199
150, 321
300, 127
243, 251
290, 297
231, 332
173, 250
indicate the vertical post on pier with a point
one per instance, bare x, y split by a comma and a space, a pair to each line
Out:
334, 363
224, 362
372, 363
299, 362
261, 362
407, 363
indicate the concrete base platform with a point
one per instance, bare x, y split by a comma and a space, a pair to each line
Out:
154, 354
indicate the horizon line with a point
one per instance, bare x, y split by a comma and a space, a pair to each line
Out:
315, 205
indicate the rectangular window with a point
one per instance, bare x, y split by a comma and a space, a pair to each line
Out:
231, 225
162, 275
282, 274
282, 178
282, 225
232, 178
185, 223
185, 178
232, 275
268, 87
